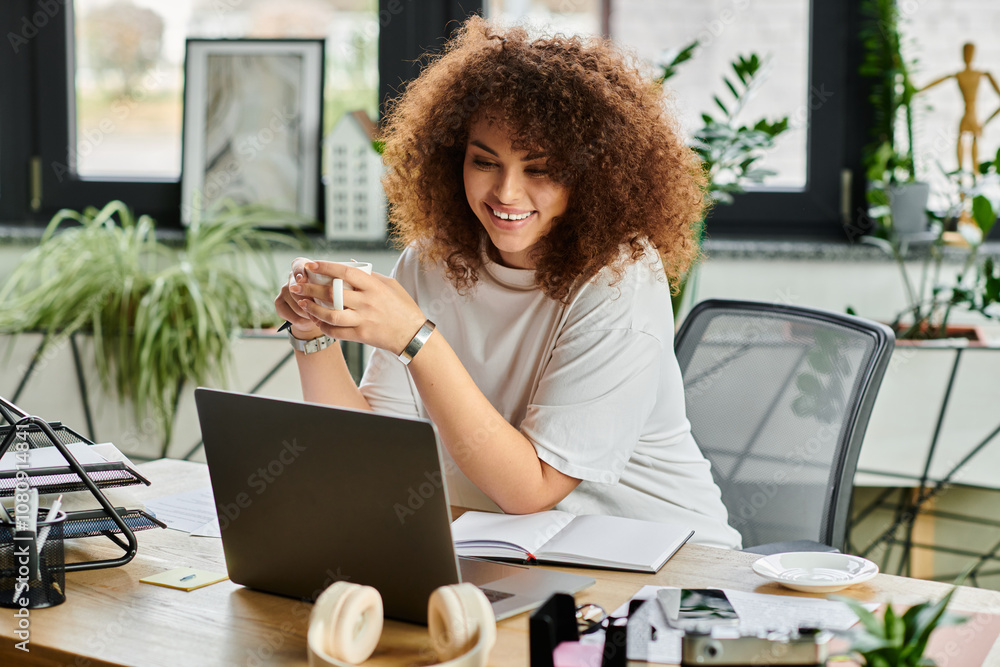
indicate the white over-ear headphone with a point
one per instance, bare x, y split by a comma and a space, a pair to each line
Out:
346, 623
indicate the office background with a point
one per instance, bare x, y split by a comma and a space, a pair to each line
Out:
92, 110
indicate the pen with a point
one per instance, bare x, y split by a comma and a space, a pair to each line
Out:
284, 327
52, 513
190, 576
32, 509
33, 527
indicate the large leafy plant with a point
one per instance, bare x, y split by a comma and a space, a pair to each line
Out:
898, 641
161, 315
730, 150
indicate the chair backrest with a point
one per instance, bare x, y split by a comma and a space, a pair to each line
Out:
779, 398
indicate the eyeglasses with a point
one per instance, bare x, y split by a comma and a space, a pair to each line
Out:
590, 618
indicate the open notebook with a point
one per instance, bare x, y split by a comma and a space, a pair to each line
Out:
590, 540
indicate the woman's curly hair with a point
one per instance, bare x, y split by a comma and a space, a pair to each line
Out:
603, 124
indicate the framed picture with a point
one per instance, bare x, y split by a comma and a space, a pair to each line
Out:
253, 113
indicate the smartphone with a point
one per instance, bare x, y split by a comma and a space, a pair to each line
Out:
696, 609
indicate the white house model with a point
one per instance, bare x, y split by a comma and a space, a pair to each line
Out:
355, 201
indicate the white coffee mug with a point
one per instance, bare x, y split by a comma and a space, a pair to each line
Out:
338, 285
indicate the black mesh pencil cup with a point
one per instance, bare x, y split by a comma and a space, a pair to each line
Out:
32, 564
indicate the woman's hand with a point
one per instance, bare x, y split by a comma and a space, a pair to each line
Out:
287, 303
377, 312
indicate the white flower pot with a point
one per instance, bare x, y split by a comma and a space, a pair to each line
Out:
908, 203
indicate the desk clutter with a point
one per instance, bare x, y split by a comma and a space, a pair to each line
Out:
55, 485
766, 629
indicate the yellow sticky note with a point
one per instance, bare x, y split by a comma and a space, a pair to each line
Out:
184, 578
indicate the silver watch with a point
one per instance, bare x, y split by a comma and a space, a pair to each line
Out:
310, 346
416, 342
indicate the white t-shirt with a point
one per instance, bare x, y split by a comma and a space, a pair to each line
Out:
593, 384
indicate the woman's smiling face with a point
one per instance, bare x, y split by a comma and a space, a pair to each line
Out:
510, 191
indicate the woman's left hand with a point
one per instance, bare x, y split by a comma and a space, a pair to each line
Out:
377, 312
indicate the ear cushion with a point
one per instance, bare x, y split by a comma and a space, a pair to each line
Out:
460, 618
346, 623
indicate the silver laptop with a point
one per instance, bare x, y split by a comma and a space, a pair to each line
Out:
310, 494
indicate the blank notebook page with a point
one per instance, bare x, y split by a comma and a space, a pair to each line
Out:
616, 540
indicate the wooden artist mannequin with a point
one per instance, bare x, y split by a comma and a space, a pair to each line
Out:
968, 83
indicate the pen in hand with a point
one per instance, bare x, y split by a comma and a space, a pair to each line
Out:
286, 326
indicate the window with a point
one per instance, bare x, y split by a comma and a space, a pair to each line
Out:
104, 118
578, 17
803, 43
724, 30
114, 134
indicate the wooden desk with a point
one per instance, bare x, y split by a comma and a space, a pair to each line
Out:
109, 618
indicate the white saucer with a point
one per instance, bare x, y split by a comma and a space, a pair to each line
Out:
815, 571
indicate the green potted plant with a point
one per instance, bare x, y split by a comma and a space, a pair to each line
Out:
898, 201
161, 314
932, 300
729, 150
897, 641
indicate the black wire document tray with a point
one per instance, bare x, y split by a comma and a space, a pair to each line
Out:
96, 522
34, 433
35, 436
64, 480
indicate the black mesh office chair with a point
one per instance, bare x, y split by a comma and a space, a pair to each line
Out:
779, 399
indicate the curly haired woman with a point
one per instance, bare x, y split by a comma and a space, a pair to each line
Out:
543, 197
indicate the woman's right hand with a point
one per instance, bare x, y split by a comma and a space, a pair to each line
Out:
287, 307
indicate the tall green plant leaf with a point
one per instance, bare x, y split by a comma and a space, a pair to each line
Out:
682, 56
983, 213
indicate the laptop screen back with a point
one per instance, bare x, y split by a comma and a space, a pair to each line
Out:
309, 494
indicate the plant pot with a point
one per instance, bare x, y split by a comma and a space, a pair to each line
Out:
965, 334
908, 204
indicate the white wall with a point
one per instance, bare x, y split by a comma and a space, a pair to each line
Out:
871, 285
10, 255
